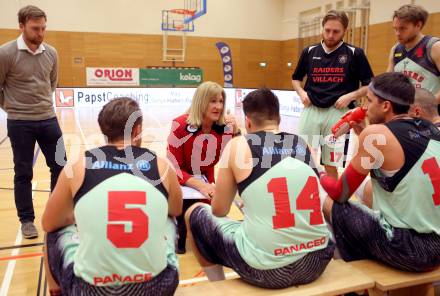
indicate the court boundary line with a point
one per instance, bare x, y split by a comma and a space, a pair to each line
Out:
21, 246
23, 256
37, 153
33, 190
3, 140
81, 132
40, 275
7, 277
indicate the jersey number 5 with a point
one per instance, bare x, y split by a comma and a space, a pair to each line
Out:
430, 167
120, 212
308, 199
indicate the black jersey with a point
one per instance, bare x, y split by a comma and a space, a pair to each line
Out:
331, 75
108, 161
268, 149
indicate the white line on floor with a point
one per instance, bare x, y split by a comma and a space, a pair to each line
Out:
11, 264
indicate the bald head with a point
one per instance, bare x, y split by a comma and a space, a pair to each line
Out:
425, 105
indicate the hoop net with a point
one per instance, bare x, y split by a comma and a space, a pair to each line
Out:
187, 12
174, 20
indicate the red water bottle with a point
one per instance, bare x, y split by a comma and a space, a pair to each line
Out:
343, 125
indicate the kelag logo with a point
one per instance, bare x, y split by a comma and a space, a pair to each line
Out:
64, 98
170, 76
190, 77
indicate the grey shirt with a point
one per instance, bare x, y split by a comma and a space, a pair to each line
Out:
27, 81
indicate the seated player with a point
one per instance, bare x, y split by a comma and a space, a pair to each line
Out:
107, 221
283, 240
195, 143
425, 106
398, 151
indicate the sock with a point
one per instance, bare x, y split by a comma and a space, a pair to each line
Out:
214, 272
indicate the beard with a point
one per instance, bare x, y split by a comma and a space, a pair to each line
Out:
331, 43
375, 119
33, 40
410, 39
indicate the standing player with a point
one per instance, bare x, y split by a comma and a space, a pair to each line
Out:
403, 229
28, 77
415, 55
117, 202
334, 70
283, 240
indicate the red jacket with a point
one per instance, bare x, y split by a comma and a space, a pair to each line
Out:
195, 153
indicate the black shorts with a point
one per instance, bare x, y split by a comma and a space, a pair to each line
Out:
61, 247
360, 235
219, 248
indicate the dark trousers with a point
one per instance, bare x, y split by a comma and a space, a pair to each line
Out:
181, 226
23, 135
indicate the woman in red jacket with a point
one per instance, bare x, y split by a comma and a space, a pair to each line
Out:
195, 144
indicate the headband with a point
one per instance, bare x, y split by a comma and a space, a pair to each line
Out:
387, 96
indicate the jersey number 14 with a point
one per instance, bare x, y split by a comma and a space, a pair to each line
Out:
431, 168
308, 199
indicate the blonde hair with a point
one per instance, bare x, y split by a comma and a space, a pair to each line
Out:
203, 95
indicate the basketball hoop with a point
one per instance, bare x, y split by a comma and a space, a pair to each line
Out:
175, 20
183, 11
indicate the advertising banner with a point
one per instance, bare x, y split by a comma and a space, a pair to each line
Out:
171, 76
290, 103
112, 76
225, 54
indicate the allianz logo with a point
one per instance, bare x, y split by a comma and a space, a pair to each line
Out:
191, 77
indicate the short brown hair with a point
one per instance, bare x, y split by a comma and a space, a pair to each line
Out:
30, 12
338, 15
427, 102
397, 85
262, 105
411, 13
114, 117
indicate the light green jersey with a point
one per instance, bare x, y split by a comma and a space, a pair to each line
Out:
124, 231
415, 202
283, 220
